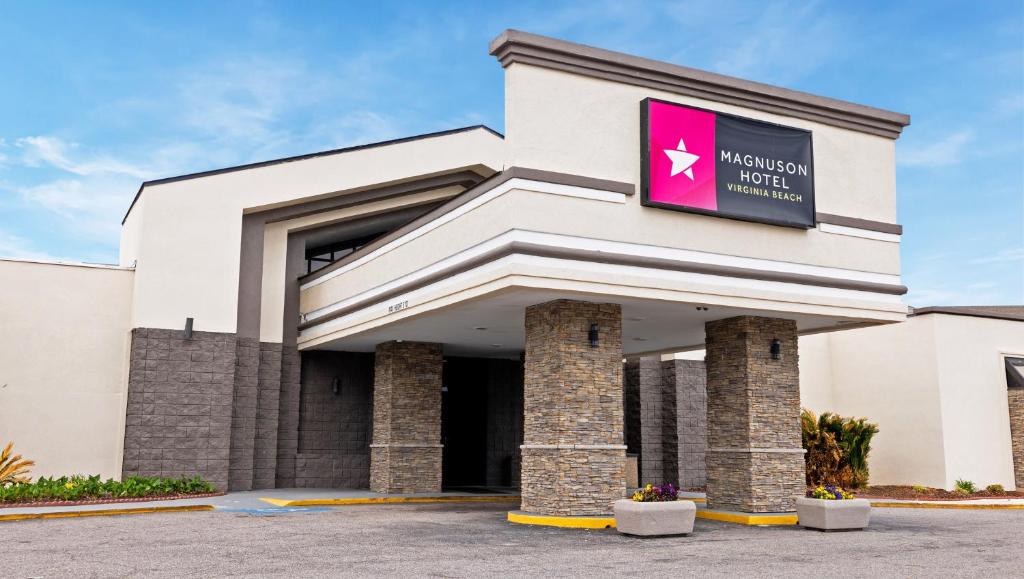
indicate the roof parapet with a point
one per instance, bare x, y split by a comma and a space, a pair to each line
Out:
514, 46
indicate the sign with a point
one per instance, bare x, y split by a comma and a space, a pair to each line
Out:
718, 164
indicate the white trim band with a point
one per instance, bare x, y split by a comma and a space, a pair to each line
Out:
858, 232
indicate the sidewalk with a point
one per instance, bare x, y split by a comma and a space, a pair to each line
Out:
261, 502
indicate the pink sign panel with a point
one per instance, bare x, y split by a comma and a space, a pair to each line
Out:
682, 156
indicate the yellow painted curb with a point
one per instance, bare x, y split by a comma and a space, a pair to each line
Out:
744, 519
556, 521
103, 512
391, 500
939, 505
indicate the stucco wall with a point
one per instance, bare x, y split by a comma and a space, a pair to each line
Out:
935, 385
890, 376
972, 380
575, 124
188, 252
64, 334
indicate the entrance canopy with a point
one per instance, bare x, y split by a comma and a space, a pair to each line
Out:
463, 274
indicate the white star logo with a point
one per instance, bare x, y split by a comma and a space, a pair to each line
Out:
682, 162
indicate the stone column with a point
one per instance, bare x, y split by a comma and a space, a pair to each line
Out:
574, 458
405, 456
754, 457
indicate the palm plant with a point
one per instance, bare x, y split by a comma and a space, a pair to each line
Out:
837, 448
13, 468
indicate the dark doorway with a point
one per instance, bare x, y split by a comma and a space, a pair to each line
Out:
464, 422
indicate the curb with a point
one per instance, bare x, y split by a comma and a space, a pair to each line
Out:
103, 512
747, 519
938, 505
522, 518
392, 500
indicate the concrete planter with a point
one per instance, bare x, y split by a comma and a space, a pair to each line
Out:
825, 515
653, 519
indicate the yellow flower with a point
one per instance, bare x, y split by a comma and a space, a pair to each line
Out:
69, 485
649, 487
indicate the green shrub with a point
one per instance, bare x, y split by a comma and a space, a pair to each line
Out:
80, 487
996, 489
837, 448
920, 488
965, 487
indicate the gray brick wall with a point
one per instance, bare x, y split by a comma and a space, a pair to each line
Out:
691, 421
334, 429
180, 394
243, 419
653, 413
288, 416
267, 415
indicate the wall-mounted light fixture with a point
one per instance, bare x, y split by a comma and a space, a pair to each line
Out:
593, 335
336, 385
776, 349
188, 328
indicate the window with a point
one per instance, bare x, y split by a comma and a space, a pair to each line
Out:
320, 257
1014, 372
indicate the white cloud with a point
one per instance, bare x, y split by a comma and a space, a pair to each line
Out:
90, 207
946, 151
1006, 255
12, 246
55, 152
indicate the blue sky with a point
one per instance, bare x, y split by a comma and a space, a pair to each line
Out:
98, 96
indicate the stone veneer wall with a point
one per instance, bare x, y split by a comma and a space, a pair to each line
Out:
405, 456
1015, 397
180, 392
334, 428
657, 422
573, 452
691, 421
754, 457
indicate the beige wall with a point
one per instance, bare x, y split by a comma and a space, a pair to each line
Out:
935, 385
972, 379
888, 375
188, 252
574, 124
64, 341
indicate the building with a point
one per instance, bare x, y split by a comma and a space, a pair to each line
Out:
455, 308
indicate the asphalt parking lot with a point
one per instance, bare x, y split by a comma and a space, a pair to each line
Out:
474, 540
